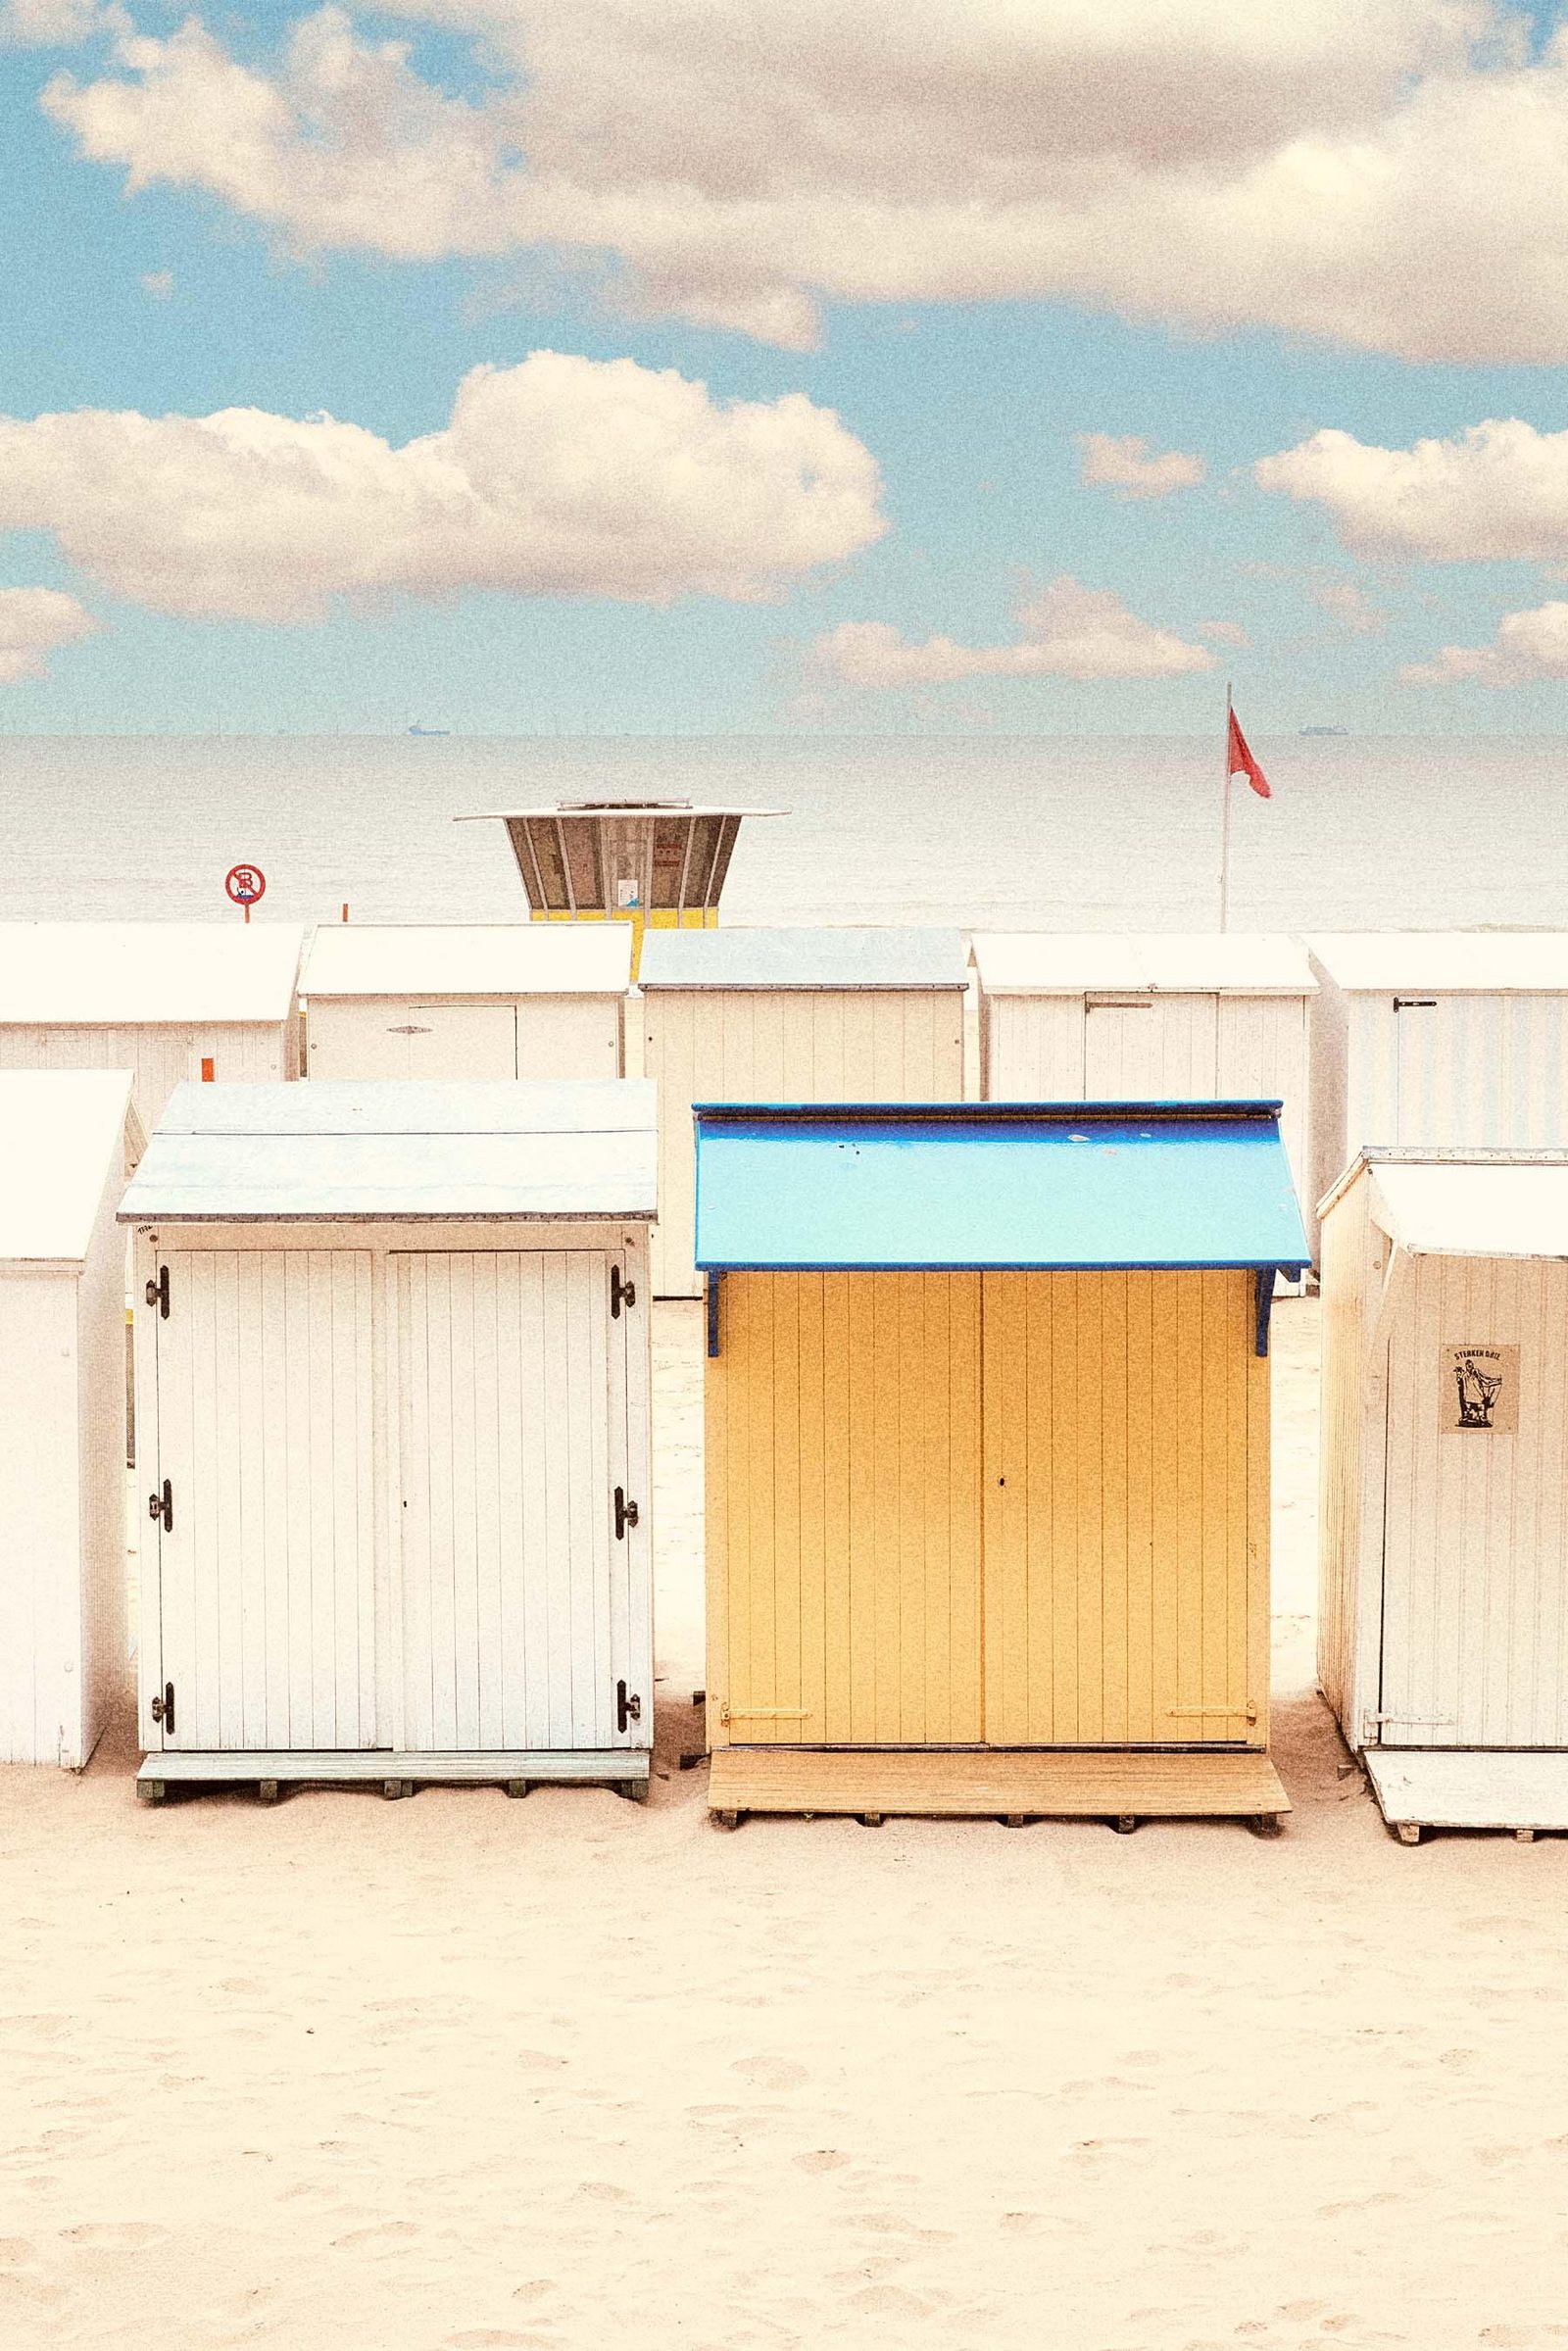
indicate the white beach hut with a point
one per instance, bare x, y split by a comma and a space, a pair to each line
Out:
1202, 1016
63, 1658
466, 1000
1436, 1038
780, 1015
1444, 1542
166, 1001
393, 1397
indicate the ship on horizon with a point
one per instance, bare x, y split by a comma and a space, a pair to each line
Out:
1307, 730
429, 730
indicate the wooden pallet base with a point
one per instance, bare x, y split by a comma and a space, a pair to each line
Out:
1011, 1785
396, 1774
1490, 1788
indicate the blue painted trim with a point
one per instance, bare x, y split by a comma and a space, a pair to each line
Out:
1250, 1265
1263, 1301
715, 1281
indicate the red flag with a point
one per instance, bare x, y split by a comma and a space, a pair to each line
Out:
1241, 762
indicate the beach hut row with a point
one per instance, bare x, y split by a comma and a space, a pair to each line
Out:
987, 1447
1417, 1039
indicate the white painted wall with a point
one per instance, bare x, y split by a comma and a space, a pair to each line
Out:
531, 1037
160, 1055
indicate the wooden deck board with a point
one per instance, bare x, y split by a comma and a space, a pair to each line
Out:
1023, 1783
1469, 1788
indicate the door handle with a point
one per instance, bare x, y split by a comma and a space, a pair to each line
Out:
161, 1507
628, 1707
625, 1514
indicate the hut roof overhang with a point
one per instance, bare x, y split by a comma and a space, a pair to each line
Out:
1154, 962
1444, 962
67, 1129
127, 975
577, 1152
974, 1185
502, 960
1466, 1204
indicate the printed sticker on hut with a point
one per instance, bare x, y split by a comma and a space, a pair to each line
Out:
1477, 1389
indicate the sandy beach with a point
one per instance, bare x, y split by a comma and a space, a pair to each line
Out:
465, 2071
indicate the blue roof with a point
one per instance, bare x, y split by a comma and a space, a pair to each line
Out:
1166, 1184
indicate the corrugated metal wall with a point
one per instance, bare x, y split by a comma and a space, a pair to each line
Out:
1056, 1485
820, 1045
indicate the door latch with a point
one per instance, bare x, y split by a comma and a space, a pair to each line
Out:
628, 1707
625, 1514
162, 1709
158, 1294
622, 1293
161, 1506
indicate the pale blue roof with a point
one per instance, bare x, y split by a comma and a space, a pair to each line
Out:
994, 1184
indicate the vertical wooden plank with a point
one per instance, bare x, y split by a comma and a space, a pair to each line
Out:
761, 1553
1187, 1408
860, 1297
602, 1555
636, 1635
1088, 1479
817, 1568
1053, 1477
223, 1411
511, 1531
323, 1564
784, 1430
838, 1676
1213, 1292
575, 1426
1167, 1688
532, 1603
1234, 1374
413, 1463
271, 1464
719, 1472
498, 1558
1114, 1506
1140, 1509
734, 1372
883, 1311
932, 1370
300, 1443
1259, 1528
966, 1637
359, 1405
1006, 1410
460, 1284
916, 1487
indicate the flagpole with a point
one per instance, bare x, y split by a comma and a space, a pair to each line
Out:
1225, 820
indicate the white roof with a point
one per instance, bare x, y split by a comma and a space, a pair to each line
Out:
67, 1132
577, 1150
1073, 963
130, 974
469, 958
1456, 1211
1444, 962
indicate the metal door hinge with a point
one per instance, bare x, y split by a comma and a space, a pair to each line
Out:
764, 1714
628, 1707
625, 1514
1415, 1003
162, 1709
621, 1293
161, 1506
158, 1294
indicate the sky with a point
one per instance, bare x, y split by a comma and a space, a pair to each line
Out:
694, 366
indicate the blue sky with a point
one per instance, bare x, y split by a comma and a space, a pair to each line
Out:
186, 299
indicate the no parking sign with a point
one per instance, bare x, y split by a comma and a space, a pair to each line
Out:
244, 885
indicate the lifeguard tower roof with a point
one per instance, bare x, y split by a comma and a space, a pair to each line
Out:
659, 860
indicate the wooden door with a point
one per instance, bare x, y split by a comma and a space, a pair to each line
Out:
522, 1606
1121, 1060
266, 1575
1126, 1504
1474, 1574
843, 1525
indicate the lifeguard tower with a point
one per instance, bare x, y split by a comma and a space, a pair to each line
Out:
656, 861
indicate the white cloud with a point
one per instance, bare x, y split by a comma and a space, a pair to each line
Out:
1529, 648
58, 23
1394, 177
1127, 465
35, 622
1350, 604
160, 283
1223, 633
1065, 630
563, 476
1498, 491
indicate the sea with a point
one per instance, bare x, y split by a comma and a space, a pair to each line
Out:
1093, 833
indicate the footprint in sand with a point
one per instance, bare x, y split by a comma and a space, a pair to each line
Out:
393, 2232
819, 2159
1385, 2195
115, 2237
15, 2250
771, 2073
891, 2302
540, 2060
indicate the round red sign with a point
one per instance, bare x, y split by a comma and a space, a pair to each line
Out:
245, 884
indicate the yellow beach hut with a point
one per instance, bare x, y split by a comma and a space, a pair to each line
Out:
988, 1457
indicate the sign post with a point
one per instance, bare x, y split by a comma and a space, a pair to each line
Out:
244, 885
